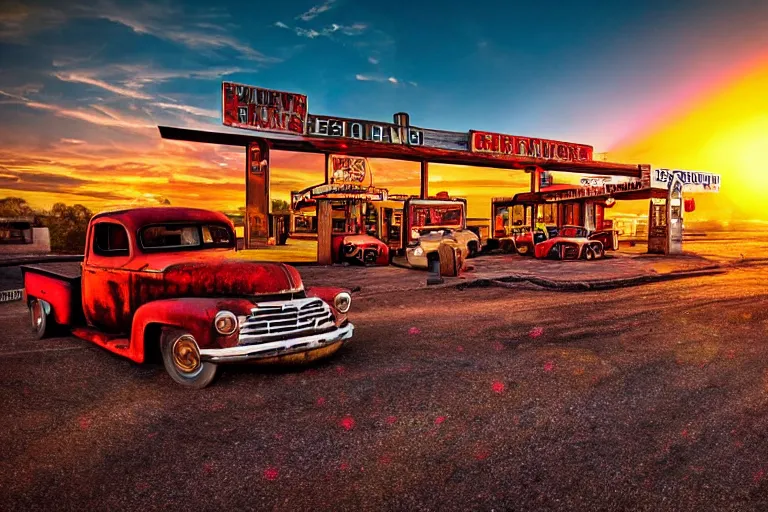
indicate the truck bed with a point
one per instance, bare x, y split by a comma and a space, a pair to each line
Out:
58, 284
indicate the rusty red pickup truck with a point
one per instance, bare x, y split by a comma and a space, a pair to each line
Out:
163, 283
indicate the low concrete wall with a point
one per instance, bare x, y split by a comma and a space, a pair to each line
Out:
41, 244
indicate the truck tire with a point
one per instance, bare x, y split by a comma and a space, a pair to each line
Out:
181, 359
472, 249
42, 324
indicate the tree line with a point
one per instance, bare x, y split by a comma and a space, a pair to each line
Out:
67, 225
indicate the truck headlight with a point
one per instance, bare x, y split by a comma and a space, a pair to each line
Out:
225, 322
342, 302
418, 251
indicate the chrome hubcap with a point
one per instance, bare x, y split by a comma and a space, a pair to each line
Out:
185, 354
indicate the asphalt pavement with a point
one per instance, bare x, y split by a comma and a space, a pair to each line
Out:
646, 398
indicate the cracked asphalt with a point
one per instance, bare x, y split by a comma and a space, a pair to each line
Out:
646, 398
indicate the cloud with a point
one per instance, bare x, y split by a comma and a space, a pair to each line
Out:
316, 10
202, 112
84, 79
19, 21
102, 117
306, 33
161, 21
349, 30
373, 60
355, 29
383, 79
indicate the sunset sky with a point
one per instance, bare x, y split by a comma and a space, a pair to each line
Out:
84, 85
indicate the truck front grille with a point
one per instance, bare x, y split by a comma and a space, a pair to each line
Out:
275, 321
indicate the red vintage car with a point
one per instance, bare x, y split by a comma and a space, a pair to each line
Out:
162, 282
566, 243
566, 248
359, 249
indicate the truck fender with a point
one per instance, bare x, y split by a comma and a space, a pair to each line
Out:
194, 315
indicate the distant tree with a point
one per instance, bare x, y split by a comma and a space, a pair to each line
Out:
280, 205
68, 226
15, 207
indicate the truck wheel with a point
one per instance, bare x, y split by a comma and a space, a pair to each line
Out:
181, 359
42, 324
472, 250
523, 249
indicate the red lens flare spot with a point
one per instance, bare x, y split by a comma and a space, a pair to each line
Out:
481, 454
414, 331
339, 369
344, 466
208, 468
84, 422
439, 420
391, 420
271, 473
498, 387
347, 423
536, 332
151, 435
320, 400
549, 366
459, 349
498, 347
759, 475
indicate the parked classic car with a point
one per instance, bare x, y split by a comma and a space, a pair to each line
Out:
162, 282
567, 243
527, 241
432, 222
566, 248
360, 249
428, 243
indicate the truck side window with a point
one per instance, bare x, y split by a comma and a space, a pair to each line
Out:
110, 240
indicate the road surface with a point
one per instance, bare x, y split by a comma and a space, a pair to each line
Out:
648, 398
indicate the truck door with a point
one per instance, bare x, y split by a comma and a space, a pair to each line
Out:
106, 285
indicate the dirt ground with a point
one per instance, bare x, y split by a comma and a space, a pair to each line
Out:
646, 398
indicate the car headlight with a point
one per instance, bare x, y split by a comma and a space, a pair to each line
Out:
418, 251
342, 302
225, 322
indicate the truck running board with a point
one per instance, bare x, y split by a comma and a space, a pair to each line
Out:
112, 342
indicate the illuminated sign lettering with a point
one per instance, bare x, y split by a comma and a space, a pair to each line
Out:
371, 131
513, 145
254, 108
692, 181
348, 169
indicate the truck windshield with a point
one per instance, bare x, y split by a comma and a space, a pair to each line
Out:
185, 236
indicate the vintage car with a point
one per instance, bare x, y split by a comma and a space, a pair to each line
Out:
565, 248
525, 241
608, 237
432, 222
417, 254
162, 282
360, 250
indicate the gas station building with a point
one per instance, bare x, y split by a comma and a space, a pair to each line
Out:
281, 121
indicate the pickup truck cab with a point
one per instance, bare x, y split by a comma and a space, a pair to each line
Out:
163, 282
